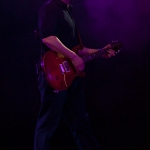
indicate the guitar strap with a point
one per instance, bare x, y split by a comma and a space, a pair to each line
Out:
79, 37
80, 41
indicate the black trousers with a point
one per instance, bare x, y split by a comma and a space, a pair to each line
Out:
71, 105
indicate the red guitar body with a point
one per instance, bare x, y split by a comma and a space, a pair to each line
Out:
59, 70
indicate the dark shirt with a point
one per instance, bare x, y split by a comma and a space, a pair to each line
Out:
55, 20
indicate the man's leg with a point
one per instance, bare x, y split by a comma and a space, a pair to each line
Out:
76, 117
49, 116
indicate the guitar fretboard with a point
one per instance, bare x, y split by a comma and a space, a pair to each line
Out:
90, 57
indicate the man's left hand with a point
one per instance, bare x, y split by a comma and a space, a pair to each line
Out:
110, 52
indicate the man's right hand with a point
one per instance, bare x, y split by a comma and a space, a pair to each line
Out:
56, 45
78, 63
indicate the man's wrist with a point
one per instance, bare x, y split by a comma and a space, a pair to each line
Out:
72, 55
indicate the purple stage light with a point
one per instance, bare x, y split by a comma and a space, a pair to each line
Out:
115, 19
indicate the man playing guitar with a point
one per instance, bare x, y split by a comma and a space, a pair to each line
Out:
58, 34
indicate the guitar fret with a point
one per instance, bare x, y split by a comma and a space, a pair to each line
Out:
100, 53
94, 55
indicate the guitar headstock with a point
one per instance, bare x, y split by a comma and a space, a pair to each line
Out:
116, 45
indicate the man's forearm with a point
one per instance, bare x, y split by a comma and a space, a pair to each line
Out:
86, 51
55, 44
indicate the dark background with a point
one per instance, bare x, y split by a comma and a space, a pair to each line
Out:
117, 89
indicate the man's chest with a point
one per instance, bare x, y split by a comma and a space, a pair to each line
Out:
65, 23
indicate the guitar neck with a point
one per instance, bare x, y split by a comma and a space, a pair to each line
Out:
92, 56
